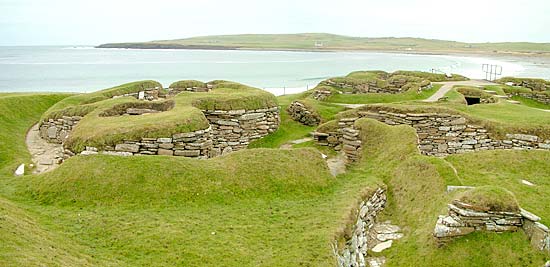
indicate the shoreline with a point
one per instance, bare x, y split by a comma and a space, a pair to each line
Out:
542, 60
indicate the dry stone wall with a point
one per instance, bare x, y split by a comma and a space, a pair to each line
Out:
150, 94
320, 94
177, 90
539, 97
57, 130
234, 129
229, 131
440, 134
463, 219
300, 113
393, 86
355, 250
197, 144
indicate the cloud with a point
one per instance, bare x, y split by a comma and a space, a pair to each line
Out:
100, 21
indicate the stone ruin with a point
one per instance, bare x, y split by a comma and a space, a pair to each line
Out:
439, 134
463, 219
229, 130
393, 85
542, 97
321, 94
302, 114
367, 234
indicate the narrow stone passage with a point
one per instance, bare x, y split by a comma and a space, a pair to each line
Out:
337, 164
46, 156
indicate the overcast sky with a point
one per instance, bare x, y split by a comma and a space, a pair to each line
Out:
91, 22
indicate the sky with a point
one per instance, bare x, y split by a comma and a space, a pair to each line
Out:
79, 22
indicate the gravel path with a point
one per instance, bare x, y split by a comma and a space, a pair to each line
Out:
46, 156
337, 164
447, 86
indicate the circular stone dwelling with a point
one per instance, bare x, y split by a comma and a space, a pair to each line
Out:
190, 119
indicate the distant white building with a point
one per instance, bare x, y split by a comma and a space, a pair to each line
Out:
319, 44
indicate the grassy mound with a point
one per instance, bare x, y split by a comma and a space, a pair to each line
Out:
24, 240
531, 83
507, 169
18, 112
433, 77
80, 105
470, 91
247, 209
490, 198
169, 181
26, 243
499, 118
412, 82
381, 79
101, 127
187, 84
417, 196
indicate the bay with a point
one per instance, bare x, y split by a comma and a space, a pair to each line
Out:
86, 69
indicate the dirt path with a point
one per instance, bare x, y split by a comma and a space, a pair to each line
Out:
289, 144
46, 156
350, 106
337, 164
447, 86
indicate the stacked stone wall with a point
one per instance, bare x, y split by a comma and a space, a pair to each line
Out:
539, 97
354, 253
175, 91
234, 129
462, 219
150, 94
321, 95
57, 130
197, 144
440, 134
228, 131
393, 87
300, 113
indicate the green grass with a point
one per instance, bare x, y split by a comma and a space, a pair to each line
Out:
306, 41
25, 242
291, 130
326, 110
17, 114
258, 207
507, 169
382, 98
531, 103
82, 104
288, 128
243, 209
500, 118
433, 77
535, 84
186, 116
417, 196
491, 198
187, 84
170, 181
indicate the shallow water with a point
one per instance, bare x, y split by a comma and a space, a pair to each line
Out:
85, 69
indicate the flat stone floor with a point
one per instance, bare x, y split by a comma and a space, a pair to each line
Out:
46, 156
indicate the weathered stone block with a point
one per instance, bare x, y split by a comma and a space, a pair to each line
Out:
165, 152
134, 148
187, 153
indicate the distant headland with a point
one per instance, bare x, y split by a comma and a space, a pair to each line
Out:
333, 42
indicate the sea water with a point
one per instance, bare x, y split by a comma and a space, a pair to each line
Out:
86, 69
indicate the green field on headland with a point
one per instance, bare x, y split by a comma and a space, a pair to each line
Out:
332, 42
